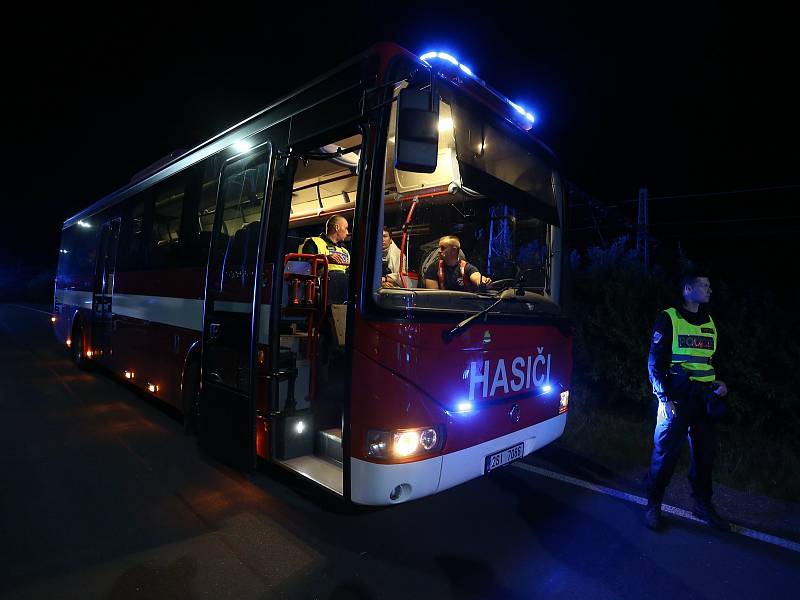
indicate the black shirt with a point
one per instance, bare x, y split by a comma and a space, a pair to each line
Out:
660, 358
452, 276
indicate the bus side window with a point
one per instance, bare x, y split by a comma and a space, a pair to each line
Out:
200, 222
135, 234
165, 237
78, 250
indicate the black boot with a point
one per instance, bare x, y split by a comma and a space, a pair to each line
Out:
706, 512
652, 516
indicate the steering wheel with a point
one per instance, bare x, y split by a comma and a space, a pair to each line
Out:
500, 284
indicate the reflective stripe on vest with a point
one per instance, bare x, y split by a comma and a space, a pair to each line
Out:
676, 358
462, 264
341, 254
693, 346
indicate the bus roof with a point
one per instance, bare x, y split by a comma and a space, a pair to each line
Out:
385, 52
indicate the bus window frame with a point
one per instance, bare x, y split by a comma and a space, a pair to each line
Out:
370, 309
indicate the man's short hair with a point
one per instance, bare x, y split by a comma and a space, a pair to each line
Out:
450, 238
333, 221
387, 230
690, 276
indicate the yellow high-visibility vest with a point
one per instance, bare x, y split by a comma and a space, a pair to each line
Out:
338, 256
693, 346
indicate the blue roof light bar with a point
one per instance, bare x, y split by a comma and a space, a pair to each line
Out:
428, 56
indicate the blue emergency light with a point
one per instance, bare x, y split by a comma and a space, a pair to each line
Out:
449, 58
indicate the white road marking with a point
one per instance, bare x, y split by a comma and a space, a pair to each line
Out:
673, 510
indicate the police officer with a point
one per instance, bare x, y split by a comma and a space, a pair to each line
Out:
330, 244
683, 344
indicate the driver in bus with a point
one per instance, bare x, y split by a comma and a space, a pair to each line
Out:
450, 272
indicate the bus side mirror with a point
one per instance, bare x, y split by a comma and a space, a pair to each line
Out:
417, 136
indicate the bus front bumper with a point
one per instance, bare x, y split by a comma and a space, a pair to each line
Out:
380, 484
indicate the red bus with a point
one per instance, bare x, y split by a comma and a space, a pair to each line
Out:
375, 366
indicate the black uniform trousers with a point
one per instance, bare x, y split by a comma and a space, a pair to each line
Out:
690, 418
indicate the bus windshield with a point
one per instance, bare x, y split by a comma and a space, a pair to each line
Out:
486, 220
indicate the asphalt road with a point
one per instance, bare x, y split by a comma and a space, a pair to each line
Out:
103, 496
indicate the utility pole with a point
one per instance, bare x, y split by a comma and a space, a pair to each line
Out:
641, 230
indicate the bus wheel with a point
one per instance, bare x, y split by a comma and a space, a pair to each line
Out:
191, 391
78, 357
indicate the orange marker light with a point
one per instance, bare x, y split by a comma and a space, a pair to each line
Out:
52, 319
69, 342
88, 354
153, 387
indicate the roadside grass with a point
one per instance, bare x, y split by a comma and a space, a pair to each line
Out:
624, 443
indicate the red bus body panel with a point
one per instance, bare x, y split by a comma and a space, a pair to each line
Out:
406, 376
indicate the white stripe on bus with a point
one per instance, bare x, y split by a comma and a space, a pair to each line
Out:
178, 312
75, 298
186, 313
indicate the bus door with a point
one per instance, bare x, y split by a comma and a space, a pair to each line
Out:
226, 419
102, 293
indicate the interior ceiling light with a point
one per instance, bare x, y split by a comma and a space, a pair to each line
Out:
242, 146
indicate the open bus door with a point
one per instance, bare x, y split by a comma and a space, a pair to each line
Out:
232, 326
103, 289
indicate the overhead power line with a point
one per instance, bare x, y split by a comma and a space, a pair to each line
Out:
771, 188
717, 194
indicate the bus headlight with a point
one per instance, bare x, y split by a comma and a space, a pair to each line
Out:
428, 439
377, 443
403, 443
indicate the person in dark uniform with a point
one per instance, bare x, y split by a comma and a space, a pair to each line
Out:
689, 399
450, 272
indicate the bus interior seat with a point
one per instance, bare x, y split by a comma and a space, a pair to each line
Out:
242, 247
251, 242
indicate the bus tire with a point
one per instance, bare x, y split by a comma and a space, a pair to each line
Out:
191, 392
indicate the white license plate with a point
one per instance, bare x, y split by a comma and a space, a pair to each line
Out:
498, 459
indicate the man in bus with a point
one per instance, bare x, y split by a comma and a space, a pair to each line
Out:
331, 245
689, 400
450, 272
390, 261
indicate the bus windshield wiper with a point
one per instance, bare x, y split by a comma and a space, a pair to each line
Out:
449, 334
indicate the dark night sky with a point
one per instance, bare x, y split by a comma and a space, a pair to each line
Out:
689, 98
